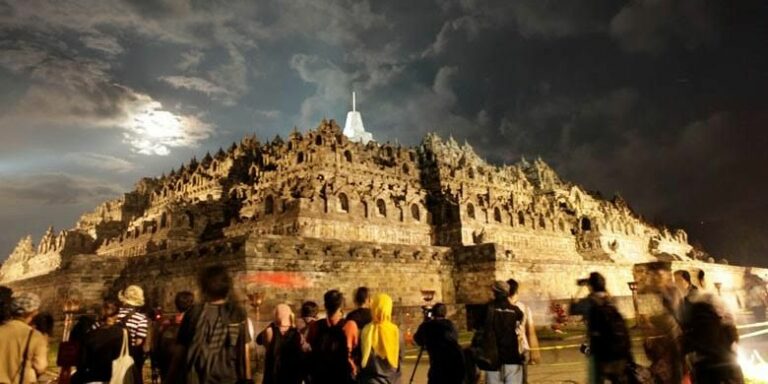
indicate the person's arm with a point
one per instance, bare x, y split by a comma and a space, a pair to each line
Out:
352, 334
40, 354
533, 340
142, 331
419, 337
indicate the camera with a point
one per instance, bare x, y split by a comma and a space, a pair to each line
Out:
427, 312
582, 282
584, 349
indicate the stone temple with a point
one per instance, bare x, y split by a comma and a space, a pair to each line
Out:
318, 210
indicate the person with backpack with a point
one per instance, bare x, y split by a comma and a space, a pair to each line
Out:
284, 349
382, 346
100, 347
440, 338
332, 341
610, 354
23, 350
165, 350
136, 322
214, 335
495, 346
526, 332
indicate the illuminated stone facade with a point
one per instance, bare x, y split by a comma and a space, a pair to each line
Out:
316, 210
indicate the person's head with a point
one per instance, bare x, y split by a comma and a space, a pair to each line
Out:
309, 309
109, 309
132, 296
24, 306
184, 300
700, 276
381, 308
43, 322
362, 297
215, 283
6, 295
682, 280
333, 301
284, 316
500, 290
596, 282
660, 273
439, 311
513, 286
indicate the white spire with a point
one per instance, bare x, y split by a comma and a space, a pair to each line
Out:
354, 128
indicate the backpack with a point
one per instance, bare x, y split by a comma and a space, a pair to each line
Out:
484, 349
216, 353
609, 336
329, 350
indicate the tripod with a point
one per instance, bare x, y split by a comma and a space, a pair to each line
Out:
415, 367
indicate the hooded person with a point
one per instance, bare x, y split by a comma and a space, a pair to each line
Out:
382, 345
284, 348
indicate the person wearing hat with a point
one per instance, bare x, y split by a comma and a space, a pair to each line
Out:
23, 350
137, 324
502, 319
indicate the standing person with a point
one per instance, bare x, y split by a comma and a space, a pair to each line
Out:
101, 346
502, 320
382, 346
283, 344
609, 342
687, 290
661, 332
165, 351
441, 340
214, 334
23, 350
332, 340
309, 310
526, 333
757, 296
137, 324
361, 315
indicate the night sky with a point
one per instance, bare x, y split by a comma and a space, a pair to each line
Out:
662, 102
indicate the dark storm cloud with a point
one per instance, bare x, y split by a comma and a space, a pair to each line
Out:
56, 189
661, 101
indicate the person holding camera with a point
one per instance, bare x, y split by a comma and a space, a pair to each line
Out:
440, 338
609, 348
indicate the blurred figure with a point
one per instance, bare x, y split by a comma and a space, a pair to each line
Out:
23, 350
5, 303
757, 296
309, 310
440, 338
662, 335
382, 346
686, 288
332, 340
214, 334
709, 340
526, 333
43, 323
100, 347
165, 351
284, 350
609, 347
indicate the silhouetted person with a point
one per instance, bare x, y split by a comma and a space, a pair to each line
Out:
308, 315
332, 340
284, 349
361, 315
101, 346
165, 350
501, 321
527, 330
440, 338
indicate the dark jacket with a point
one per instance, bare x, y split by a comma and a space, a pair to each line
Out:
441, 340
505, 319
99, 348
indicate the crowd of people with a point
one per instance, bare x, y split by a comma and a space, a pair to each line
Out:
213, 341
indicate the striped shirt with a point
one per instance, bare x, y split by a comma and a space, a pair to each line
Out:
137, 324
